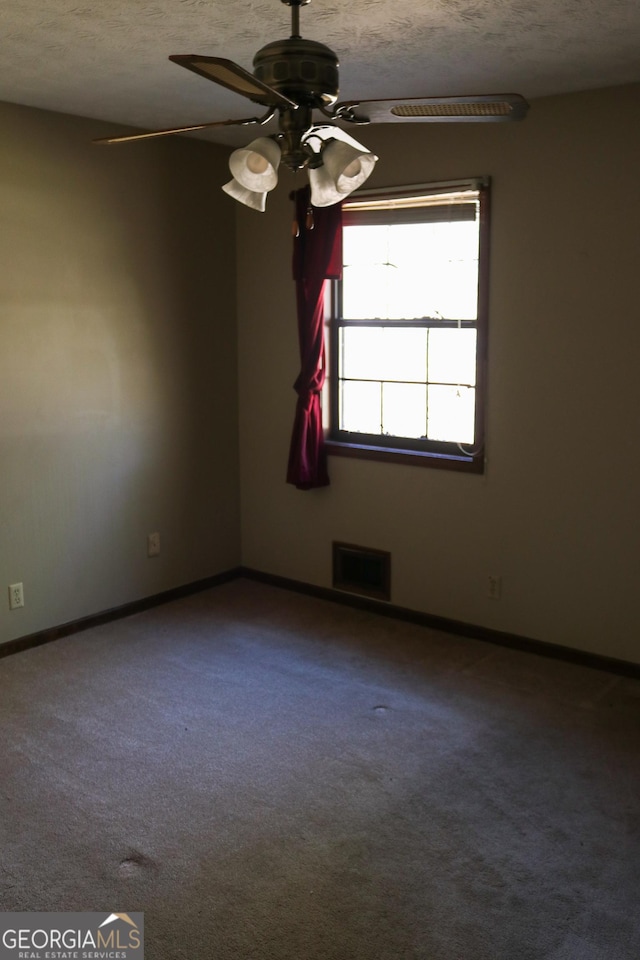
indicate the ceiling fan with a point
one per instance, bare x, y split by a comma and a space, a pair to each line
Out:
294, 78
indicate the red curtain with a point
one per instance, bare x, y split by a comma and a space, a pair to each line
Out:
317, 257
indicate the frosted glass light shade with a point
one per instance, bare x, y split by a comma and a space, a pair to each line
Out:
250, 198
255, 166
344, 168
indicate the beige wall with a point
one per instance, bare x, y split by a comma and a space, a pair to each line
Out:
117, 369
556, 514
118, 384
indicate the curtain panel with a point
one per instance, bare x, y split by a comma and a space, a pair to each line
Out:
317, 257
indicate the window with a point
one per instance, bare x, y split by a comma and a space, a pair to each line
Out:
408, 326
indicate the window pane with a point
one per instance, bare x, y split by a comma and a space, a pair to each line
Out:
362, 352
452, 356
404, 409
453, 270
404, 354
451, 414
360, 406
367, 284
368, 291
410, 270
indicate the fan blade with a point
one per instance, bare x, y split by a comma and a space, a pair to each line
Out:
196, 126
236, 78
496, 107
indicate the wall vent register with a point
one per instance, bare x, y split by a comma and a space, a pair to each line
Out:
362, 570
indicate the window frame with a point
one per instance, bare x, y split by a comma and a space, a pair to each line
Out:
427, 453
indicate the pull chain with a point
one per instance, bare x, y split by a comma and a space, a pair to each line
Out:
295, 226
308, 220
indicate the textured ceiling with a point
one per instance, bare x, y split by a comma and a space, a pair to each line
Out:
108, 58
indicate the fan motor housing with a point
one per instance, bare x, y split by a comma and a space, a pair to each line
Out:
303, 70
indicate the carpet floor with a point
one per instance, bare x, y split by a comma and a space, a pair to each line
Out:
267, 775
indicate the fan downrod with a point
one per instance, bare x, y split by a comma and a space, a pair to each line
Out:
295, 14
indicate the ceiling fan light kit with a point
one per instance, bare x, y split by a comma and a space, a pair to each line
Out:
295, 77
250, 198
343, 169
256, 165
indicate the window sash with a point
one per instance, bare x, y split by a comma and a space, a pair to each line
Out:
429, 322
457, 200
440, 213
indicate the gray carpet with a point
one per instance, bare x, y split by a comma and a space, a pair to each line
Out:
270, 776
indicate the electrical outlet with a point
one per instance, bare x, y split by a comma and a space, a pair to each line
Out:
153, 545
494, 586
16, 596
